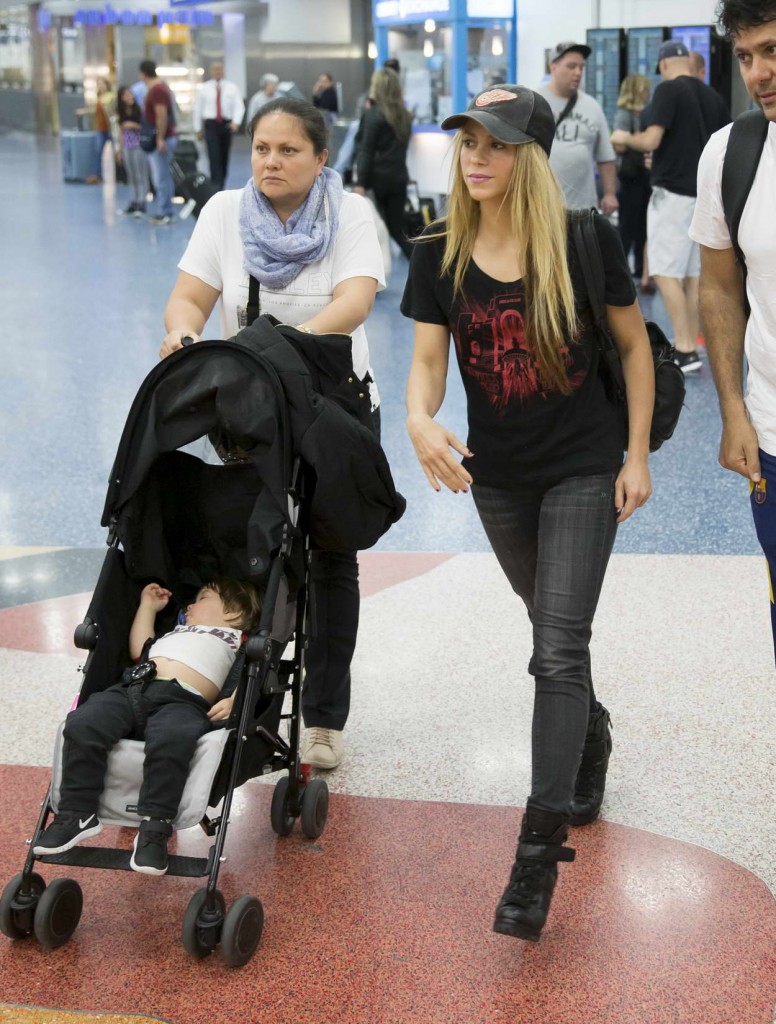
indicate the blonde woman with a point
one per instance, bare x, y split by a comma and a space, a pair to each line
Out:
381, 153
544, 455
633, 189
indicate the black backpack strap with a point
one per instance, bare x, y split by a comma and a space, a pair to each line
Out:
742, 157
591, 262
253, 307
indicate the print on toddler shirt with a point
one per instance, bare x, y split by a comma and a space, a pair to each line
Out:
493, 350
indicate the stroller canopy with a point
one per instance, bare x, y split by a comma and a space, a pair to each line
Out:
275, 393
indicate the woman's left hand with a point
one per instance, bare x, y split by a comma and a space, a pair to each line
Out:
632, 488
359, 190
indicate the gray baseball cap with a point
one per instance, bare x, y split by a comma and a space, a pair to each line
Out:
512, 114
563, 48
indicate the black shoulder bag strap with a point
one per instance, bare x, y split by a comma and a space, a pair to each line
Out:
742, 157
566, 110
252, 309
592, 265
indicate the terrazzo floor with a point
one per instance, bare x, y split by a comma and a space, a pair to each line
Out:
668, 913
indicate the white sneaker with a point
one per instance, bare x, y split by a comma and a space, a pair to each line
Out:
322, 748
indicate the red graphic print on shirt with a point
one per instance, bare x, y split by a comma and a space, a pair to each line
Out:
492, 349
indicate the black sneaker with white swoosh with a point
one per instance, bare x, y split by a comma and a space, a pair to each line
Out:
66, 831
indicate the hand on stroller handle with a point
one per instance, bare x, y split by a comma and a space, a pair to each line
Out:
177, 339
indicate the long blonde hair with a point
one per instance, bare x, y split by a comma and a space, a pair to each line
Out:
535, 205
634, 90
385, 90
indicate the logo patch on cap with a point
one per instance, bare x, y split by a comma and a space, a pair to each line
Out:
494, 96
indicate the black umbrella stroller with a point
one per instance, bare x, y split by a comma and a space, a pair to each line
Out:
299, 471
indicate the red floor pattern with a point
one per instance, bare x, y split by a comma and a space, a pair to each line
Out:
386, 919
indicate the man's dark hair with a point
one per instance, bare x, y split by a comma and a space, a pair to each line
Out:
238, 598
311, 119
735, 15
393, 64
147, 67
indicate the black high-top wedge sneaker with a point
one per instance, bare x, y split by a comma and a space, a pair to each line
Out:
522, 910
591, 778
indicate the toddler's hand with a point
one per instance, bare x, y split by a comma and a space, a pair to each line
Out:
155, 596
221, 710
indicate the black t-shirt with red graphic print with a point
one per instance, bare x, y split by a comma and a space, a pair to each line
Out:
520, 430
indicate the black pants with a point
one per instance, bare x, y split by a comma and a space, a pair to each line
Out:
390, 205
177, 719
218, 139
633, 195
326, 693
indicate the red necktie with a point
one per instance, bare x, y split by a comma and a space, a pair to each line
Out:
219, 116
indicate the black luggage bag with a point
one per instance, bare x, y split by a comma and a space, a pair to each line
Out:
419, 211
194, 186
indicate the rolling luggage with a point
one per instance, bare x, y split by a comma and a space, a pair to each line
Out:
419, 211
195, 187
78, 150
186, 156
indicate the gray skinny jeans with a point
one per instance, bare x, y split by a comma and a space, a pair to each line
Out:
553, 542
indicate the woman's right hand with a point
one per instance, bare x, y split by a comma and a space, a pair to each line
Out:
174, 341
432, 444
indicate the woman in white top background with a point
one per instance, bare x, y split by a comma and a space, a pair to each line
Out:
314, 251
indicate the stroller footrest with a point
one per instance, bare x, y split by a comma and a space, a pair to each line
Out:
118, 860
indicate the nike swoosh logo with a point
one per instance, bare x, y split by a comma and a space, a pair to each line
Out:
85, 822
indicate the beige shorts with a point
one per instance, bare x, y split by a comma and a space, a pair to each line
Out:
670, 250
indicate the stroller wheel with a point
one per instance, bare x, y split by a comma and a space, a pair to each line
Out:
16, 910
315, 807
242, 930
58, 912
202, 927
282, 821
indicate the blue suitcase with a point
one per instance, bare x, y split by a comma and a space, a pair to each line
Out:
78, 155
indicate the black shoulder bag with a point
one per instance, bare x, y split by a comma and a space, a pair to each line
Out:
669, 379
566, 110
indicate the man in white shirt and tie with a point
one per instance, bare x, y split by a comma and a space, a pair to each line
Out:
218, 114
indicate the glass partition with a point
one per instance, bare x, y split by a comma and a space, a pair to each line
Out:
15, 48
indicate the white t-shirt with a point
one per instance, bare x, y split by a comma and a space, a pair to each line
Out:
209, 650
757, 238
215, 255
581, 140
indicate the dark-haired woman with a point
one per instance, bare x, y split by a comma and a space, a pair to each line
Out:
381, 153
544, 455
129, 152
314, 251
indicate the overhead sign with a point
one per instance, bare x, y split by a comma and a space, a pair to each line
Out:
410, 10
110, 16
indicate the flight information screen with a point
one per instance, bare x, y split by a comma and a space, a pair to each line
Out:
643, 45
698, 38
604, 67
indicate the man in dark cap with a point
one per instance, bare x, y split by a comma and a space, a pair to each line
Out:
581, 133
682, 115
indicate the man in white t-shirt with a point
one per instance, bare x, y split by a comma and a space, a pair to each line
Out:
582, 134
748, 444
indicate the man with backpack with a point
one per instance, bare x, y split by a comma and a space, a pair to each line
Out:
678, 121
735, 224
